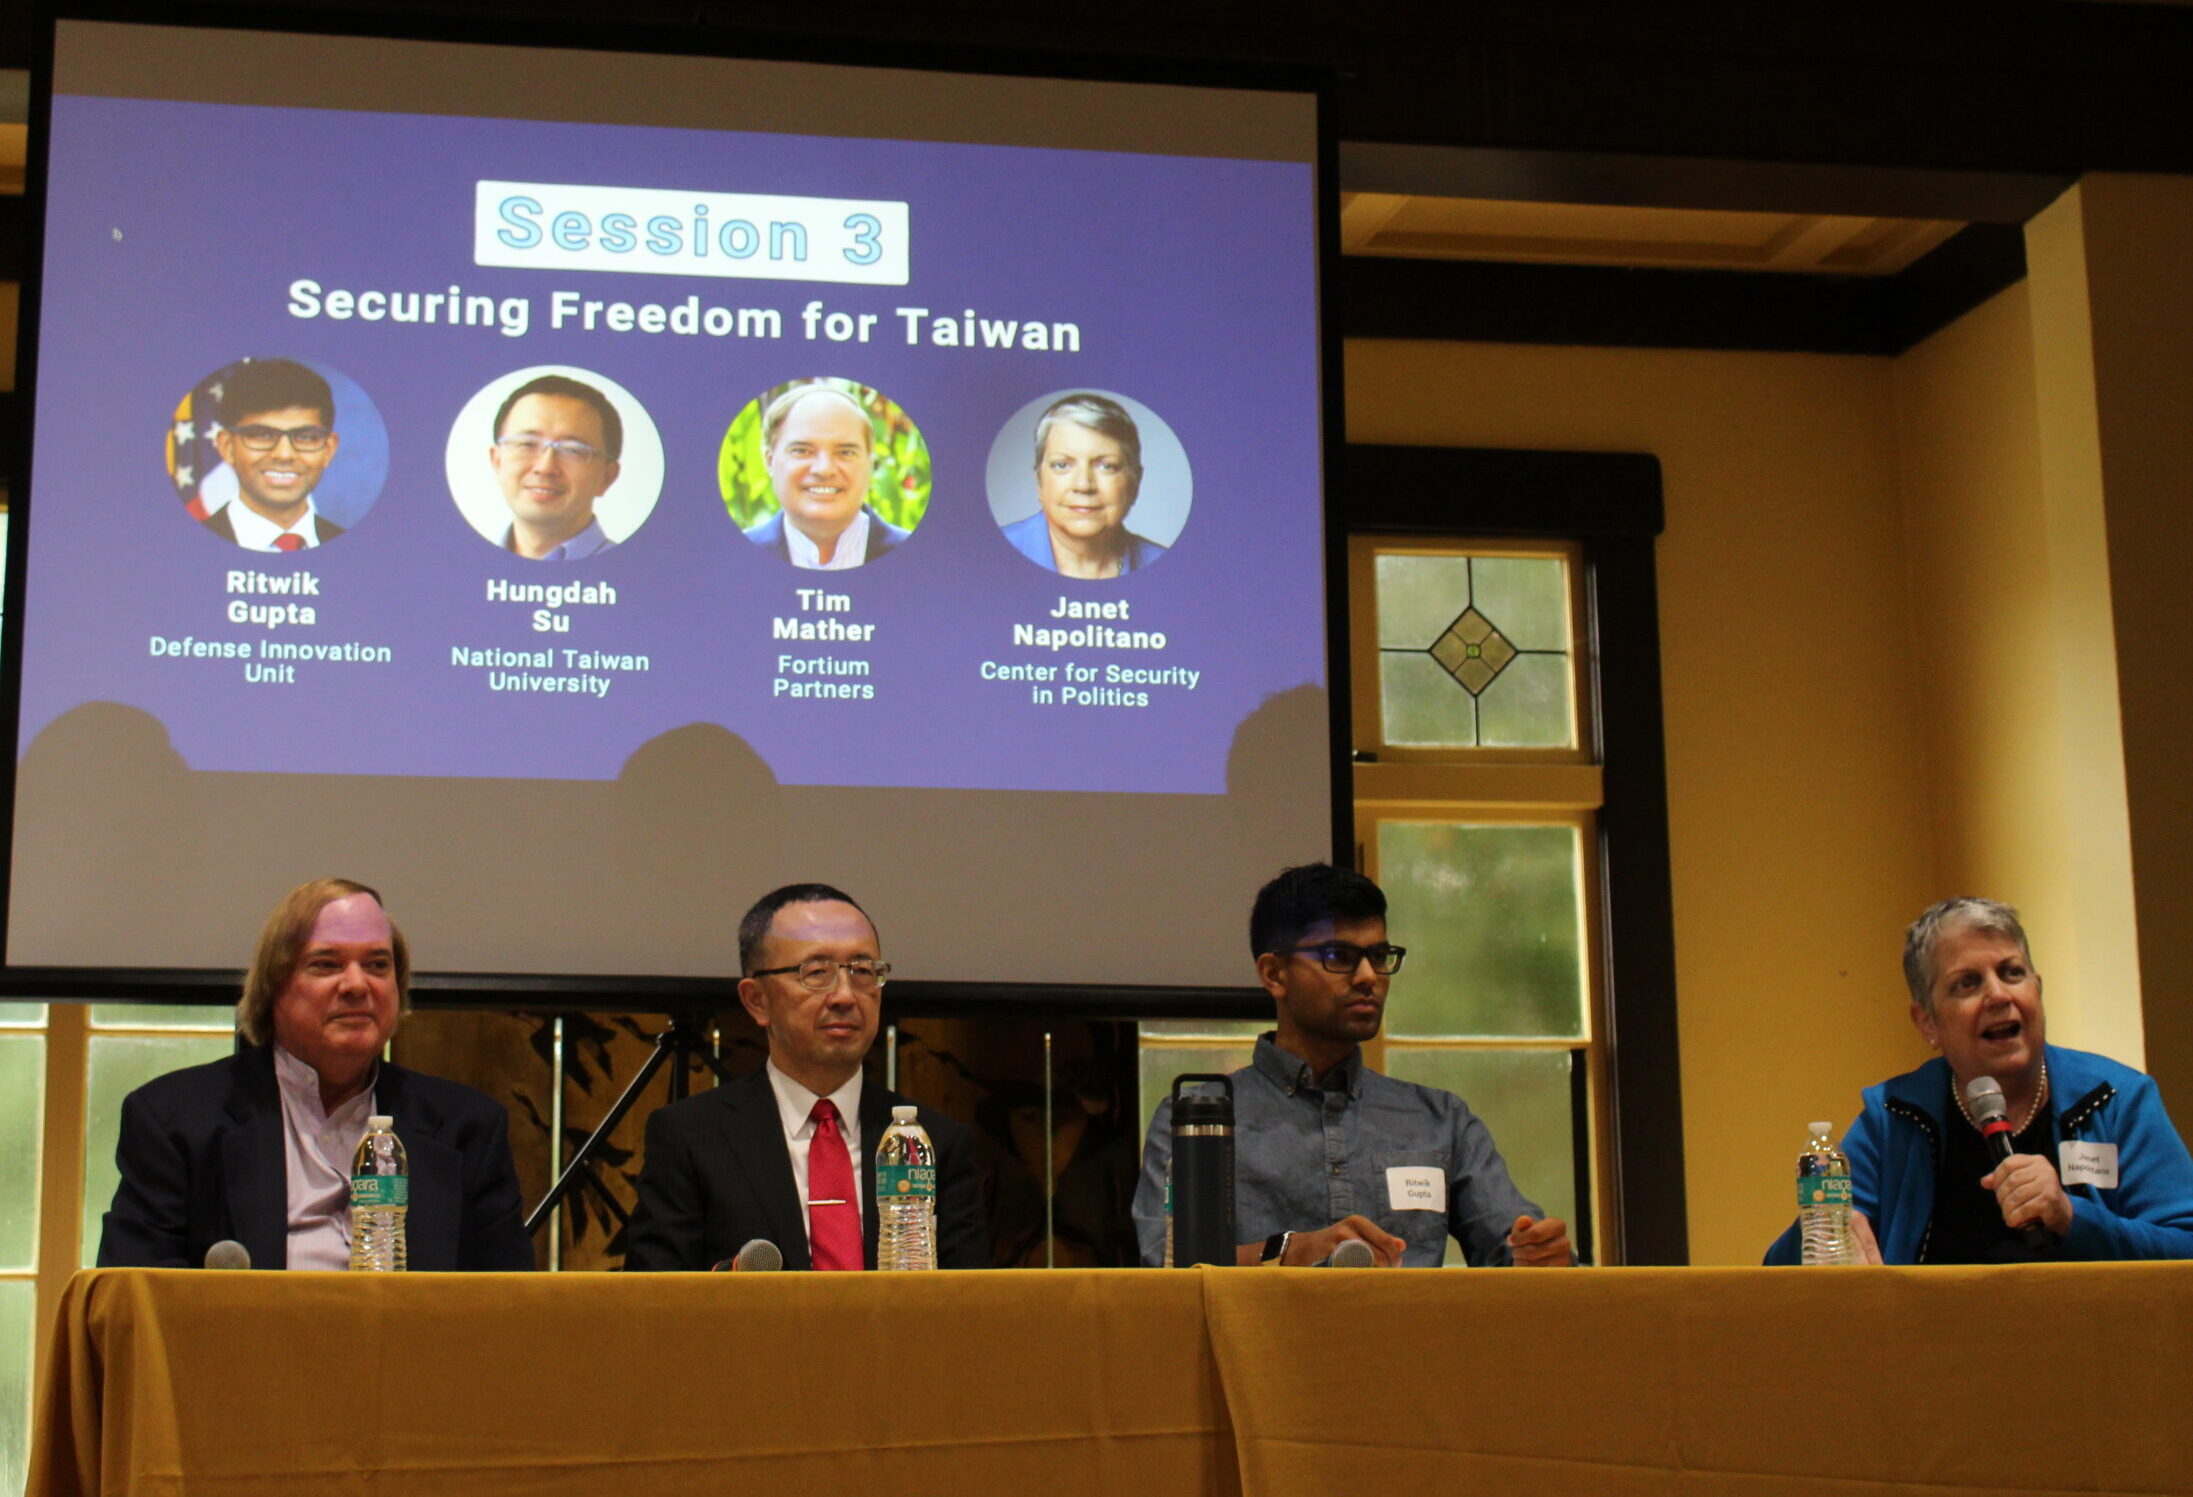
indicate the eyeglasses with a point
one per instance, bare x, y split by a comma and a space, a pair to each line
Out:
529, 449
263, 438
1341, 958
819, 974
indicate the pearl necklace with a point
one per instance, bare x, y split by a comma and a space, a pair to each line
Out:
2033, 1111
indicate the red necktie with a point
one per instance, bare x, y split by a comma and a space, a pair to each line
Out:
289, 540
833, 1217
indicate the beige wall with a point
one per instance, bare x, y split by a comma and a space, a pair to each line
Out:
2130, 233
1800, 825
2014, 648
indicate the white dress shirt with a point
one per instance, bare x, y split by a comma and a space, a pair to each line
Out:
795, 1108
852, 548
255, 532
316, 1150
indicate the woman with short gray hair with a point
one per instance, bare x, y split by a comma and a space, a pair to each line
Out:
1088, 476
2094, 1168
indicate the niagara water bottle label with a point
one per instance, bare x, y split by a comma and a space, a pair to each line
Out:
1823, 1190
370, 1192
900, 1181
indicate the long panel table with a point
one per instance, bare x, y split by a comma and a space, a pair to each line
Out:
1720, 1382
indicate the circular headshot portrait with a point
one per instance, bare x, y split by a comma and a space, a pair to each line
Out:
826, 474
554, 463
277, 454
1089, 484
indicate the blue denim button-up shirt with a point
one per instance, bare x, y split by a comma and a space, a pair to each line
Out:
1304, 1157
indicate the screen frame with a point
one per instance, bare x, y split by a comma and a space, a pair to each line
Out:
639, 992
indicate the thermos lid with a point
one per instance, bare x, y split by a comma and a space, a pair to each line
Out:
1203, 1108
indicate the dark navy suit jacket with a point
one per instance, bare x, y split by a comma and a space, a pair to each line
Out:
201, 1157
718, 1174
883, 536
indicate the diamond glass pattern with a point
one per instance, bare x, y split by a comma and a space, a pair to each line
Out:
1497, 706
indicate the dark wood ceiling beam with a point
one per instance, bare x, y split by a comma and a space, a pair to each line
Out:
1635, 181
1589, 305
2050, 86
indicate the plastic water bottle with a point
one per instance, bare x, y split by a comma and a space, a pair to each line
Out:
380, 1194
1823, 1200
906, 1195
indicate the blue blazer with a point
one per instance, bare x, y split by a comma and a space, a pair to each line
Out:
1031, 537
883, 536
202, 1160
1897, 1140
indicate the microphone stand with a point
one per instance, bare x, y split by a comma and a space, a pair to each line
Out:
684, 1041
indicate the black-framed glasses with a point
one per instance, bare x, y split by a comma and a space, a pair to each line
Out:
529, 449
819, 974
259, 438
1343, 957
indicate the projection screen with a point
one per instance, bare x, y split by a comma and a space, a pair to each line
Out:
577, 491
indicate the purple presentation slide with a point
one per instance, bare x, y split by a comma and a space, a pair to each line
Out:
426, 266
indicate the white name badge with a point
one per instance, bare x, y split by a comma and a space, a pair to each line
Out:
2087, 1164
1416, 1187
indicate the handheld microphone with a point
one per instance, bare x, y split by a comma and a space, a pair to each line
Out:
228, 1254
1352, 1252
1984, 1095
759, 1256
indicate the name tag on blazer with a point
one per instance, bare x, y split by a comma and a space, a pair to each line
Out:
2087, 1164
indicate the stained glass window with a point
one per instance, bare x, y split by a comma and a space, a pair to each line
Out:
1474, 651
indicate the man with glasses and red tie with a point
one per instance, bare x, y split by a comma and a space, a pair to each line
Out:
1326, 1150
788, 1154
277, 436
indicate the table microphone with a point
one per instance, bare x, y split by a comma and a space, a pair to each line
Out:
228, 1254
1353, 1252
759, 1256
1984, 1095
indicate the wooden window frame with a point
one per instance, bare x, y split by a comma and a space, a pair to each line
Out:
1609, 505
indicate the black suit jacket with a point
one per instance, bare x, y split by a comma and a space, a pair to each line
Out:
202, 1159
717, 1174
219, 523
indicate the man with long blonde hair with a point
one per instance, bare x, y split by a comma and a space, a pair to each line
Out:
255, 1148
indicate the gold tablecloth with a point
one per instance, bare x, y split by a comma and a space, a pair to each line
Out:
630, 1385
1754, 1382
1718, 1382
